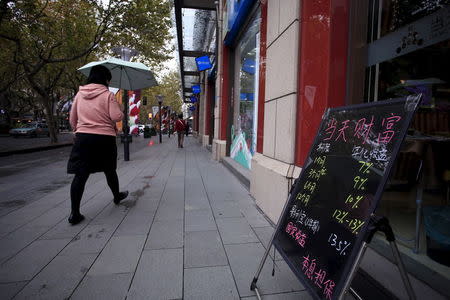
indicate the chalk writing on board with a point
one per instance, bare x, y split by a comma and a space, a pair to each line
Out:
319, 170
300, 217
378, 155
318, 276
296, 234
388, 123
339, 245
362, 129
323, 148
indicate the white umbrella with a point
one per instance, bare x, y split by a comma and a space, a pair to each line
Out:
125, 75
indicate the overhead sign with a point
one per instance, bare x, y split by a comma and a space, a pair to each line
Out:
324, 224
425, 32
203, 63
196, 89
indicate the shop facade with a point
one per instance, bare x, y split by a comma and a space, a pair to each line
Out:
280, 63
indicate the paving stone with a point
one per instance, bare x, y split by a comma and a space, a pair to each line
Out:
235, 231
159, 275
226, 210
120, 255
196, 204
107, 287
244, 261
209, 283
264, 234
112, 214
136, 222
283, 296
59, 278
165, 235
203, 248
50, 218
170, 211
8, 290
24, 215
64, 230
254, 217
199, 220
228, 195
27, 263
18, 240
91, 239
147, 203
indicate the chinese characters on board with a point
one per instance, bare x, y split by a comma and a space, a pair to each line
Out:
313, 177
361, 130
318, 276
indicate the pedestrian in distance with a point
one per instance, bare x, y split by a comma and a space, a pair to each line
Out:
180, 127
93, 118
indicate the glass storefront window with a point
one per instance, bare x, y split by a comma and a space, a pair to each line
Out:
244, 128
408, 53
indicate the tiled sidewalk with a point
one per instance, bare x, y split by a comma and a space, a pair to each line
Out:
189, 230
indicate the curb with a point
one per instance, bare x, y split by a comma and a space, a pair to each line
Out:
36, 149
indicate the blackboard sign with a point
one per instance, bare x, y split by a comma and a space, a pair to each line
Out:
324, 222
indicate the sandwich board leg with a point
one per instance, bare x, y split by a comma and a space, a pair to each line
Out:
380, 224
253, 286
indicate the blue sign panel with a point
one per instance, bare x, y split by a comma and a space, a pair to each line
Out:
192, 108
248, 65
203, 63
193, 99
237, 11
196, 89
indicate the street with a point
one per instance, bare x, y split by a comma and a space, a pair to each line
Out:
25, 178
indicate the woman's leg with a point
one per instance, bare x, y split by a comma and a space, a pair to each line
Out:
76, 193
113, 182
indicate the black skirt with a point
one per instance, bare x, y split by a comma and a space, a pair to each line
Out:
92, 153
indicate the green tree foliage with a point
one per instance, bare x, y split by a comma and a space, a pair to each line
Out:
169, 87
43, 42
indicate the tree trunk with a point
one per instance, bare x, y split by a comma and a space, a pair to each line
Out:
50, 121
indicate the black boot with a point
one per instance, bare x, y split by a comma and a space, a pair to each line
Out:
75, 218
120, 197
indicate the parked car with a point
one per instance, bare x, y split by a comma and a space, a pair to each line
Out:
141, 128
33, 129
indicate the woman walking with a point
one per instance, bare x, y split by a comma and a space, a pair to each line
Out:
92, 117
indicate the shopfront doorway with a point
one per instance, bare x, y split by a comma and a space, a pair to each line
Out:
409, 53
245, 95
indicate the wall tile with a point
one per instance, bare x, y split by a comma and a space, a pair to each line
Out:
282, 69
285, 128
269, 128
273, 20
289, 10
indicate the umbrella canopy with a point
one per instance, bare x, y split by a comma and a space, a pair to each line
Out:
125, 75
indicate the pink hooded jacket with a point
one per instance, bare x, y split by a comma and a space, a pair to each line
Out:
95, 110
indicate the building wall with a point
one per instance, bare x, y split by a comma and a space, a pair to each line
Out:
219, 141
273, 166
269, 174
201, 108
